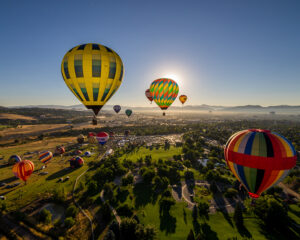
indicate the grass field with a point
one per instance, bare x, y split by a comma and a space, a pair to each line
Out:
39, 185
156, 154
180, 222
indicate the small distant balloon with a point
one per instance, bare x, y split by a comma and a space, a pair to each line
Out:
13, 159
45, 157
117, 108
182, 99
102, 137
128, 112
149, 95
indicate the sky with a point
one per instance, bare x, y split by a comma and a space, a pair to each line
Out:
225, 52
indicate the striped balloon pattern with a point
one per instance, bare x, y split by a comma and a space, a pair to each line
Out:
14, 159
259, 159
102, 137
45, 157
23, 169
164, 91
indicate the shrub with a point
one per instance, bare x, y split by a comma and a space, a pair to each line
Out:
45, 216
69, 222
72, 211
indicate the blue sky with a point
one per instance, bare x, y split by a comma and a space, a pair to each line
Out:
221, 52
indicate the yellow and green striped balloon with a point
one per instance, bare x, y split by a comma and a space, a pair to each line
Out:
93, 73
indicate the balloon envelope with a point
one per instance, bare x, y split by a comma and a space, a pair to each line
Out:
45, 157
259, 159
117, 108
102, 137
164, 91
149, 95
128, 112
60, 150
182, 98
14, 159
93, 73
23, 169
76, 162
80, 139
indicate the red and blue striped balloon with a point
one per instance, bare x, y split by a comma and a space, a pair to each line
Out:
259, 159
45, 157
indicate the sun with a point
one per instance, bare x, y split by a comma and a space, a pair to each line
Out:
174, 77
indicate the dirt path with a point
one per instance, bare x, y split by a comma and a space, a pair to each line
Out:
111, 208
80, 208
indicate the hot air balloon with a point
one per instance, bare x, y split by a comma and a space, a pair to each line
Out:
126, 133
182, 99
117, 108
13, 159
80, 139
76, 162
149, 95
45, 157
93, 73
259, 159
164, 91
23, 169
102, 137
128, 112
92, 138
15, 169
60, 150
87, 154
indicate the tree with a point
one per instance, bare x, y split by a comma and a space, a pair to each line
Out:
238, 216
127, 180
127, 228
189, 176
230, 193
108, 191
69, 222
191, 235
160, 183
125, 210
45, 216
165, 205
272, 212
145, 233
109, 235
195, 213
213, 187
114, 226
71, 211
203, 209
148, 175
106, 212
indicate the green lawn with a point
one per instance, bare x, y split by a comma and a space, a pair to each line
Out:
156, 154
38, 185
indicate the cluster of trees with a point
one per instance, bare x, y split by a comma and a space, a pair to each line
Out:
130, 229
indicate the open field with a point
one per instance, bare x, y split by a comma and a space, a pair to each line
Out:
155, 153
15, 116
38, 185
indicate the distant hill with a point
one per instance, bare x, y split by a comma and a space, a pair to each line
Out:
285, 109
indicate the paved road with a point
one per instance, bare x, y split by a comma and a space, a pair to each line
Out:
216, 203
